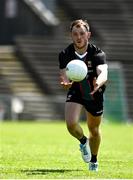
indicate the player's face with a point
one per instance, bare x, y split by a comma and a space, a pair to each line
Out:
80, 37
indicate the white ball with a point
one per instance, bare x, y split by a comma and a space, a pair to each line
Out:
76, 70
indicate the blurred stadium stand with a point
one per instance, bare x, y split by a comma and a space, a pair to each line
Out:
40, 29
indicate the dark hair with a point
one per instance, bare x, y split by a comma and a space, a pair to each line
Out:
79, 23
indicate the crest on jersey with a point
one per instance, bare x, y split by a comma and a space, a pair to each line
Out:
89, 64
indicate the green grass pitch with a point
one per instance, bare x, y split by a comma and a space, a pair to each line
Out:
45, 150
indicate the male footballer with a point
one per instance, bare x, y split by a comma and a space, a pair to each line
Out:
87, 93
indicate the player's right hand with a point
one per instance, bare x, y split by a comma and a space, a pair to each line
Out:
65, 83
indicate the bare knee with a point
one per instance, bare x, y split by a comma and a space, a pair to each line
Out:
95, 132
94, 124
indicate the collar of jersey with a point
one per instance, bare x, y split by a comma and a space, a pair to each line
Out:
81, 55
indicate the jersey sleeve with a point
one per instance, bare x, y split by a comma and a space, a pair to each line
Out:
100, 58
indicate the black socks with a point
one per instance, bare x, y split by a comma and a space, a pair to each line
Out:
93, 158
83, 140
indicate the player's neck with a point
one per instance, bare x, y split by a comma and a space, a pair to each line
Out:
82, 50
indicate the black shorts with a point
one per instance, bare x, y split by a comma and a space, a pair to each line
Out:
95, 106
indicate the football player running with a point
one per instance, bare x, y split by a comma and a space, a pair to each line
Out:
88, 93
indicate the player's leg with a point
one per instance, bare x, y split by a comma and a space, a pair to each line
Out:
94, 137
72, 114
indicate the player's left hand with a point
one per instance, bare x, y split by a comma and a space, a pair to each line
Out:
96, 86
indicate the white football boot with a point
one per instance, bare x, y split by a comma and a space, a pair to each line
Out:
85, 151
93, 166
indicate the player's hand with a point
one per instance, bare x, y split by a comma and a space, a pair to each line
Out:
96, 86
65, 83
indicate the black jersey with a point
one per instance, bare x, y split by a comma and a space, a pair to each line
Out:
94, 57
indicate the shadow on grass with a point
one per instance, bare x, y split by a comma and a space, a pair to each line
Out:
47, 171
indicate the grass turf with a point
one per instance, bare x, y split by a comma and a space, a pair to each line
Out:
45, 150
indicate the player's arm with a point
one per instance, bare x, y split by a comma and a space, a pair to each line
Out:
64, 81
102, 72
